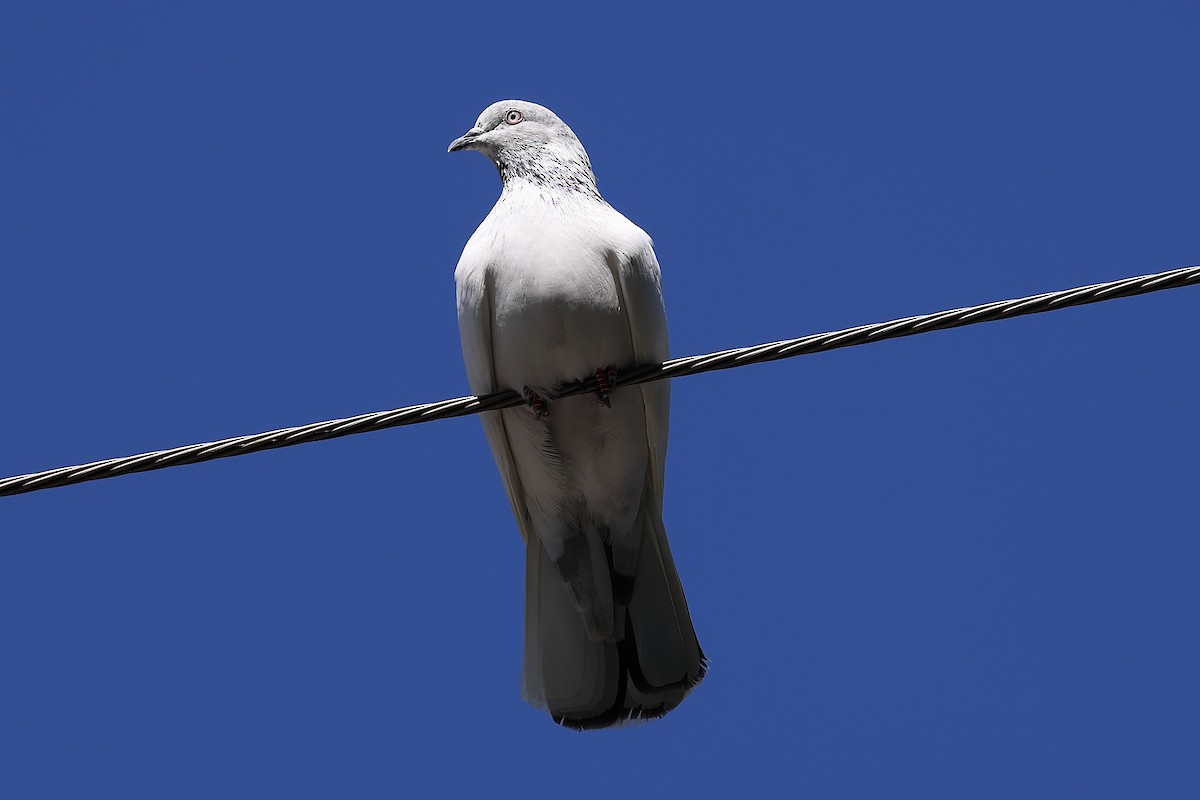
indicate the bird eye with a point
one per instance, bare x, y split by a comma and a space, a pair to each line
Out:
513, 117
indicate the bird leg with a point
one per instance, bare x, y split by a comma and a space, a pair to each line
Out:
541, 409
606, 381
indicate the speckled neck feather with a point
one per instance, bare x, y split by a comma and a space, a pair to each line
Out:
558, 164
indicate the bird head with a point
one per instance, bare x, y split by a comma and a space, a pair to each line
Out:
526, 140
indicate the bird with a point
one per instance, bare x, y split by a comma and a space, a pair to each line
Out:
555, 287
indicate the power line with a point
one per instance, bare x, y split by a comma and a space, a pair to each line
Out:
675, 368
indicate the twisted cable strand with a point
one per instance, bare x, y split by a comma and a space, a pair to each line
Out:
674, 368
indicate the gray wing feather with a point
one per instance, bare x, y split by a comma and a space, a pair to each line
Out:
475, 329
640, 282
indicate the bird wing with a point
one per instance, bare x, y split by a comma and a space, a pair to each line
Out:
475, 291
639, 281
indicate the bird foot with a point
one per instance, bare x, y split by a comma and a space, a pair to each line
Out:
606, 381
541, 409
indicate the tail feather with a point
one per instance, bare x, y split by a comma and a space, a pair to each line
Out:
644, 673
668, 650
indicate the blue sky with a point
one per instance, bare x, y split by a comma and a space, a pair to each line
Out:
962, 564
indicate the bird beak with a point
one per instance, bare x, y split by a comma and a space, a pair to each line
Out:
464, 142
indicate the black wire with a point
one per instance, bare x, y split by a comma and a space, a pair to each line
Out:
675, 368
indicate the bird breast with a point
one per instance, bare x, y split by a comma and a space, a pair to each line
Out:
556, 321
556, 308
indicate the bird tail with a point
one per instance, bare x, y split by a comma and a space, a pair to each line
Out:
642, 673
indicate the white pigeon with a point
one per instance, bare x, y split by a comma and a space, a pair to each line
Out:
556, 286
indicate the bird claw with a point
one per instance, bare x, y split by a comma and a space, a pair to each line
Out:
606, 381
541, 410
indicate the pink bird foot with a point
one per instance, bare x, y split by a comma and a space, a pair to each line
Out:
541, 409
606, 381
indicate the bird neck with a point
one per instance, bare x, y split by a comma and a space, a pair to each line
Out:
553, 166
